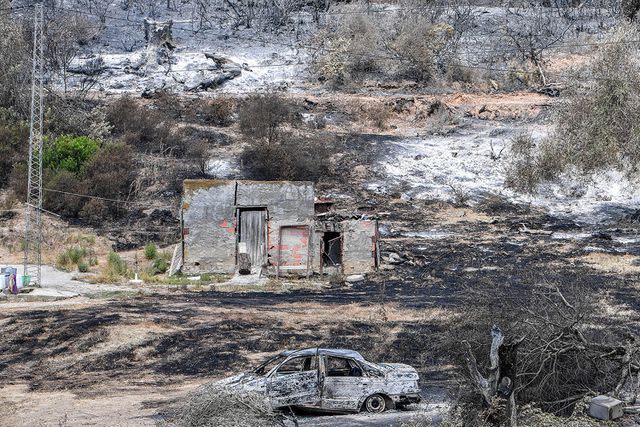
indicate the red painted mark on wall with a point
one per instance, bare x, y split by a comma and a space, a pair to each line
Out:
227, 225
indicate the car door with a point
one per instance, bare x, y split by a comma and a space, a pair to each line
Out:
295, 383
344, 384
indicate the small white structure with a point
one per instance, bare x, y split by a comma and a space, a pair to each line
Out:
605, 408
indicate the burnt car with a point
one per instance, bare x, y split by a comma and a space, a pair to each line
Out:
332, 380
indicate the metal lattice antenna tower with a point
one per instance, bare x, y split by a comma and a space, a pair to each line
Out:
33, 208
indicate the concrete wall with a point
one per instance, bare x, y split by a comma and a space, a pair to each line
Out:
208, 215
209, 220
359, 246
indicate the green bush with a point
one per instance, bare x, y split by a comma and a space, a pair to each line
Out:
63, 260
83, 267
150, 251
69, 153
76, 254
116, 264
160, 266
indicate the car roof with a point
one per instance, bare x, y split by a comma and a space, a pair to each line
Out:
337, 352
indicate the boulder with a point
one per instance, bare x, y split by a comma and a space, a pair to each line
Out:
394, 258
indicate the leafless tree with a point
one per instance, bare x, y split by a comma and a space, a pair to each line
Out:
65, 35
15, 66
529, 33
98, 7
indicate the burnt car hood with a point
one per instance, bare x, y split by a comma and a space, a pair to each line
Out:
399, 371
245, 381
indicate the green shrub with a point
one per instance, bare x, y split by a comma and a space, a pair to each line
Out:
63, 260
93, 260
205, 278
160, 266
69, 153
150, 251
83, 267
76, 254
116, 264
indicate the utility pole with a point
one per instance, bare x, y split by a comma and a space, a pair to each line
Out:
33, 207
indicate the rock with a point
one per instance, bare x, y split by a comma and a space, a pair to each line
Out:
91, 67
46, 294
387, 267
3, 296
354, 278
394, 258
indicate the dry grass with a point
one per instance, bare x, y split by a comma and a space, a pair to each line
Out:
216, 405
612, 263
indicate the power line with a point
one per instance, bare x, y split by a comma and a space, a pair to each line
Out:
106, 199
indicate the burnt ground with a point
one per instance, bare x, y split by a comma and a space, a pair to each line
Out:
148, 349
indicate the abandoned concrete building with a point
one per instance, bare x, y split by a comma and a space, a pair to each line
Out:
280, 226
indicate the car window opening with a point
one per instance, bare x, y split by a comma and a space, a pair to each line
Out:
341, 367
298, 364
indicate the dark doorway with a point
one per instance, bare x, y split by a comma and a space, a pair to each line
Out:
253, 232
331, 249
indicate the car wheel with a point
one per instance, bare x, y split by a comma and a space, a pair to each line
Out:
375, 404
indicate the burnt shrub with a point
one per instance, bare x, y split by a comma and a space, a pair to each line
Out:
263, 116
94, 211
416, 45
295, 157
110, 174
146, 129
56, 197
597, 129
14, 137
15, 67
217, 111
275, 149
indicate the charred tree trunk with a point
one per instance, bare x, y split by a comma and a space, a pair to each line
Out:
500, 382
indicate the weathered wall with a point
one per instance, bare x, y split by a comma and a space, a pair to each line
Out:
359, 245
209, 218
288, 203
208, 215
294, 250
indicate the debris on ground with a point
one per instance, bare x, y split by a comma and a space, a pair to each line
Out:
605, 408
214, 404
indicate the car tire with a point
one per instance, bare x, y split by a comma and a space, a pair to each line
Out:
375, 404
